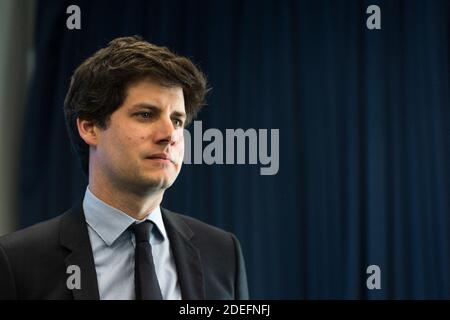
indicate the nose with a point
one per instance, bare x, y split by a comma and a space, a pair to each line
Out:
165, 131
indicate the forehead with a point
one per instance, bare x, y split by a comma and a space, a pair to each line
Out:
150, 92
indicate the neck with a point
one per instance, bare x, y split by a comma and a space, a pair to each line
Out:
136, 205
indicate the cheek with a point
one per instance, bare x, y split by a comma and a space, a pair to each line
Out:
121, 140
180, 145
131, 136
125, 142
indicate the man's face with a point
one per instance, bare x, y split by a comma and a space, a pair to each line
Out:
142, 148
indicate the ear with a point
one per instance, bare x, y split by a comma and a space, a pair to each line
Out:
88, 131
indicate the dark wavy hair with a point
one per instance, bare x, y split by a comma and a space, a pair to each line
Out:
98, 86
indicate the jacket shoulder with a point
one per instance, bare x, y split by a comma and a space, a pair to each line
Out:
32, 262
33, 237
198, 228
220, 252
212, 242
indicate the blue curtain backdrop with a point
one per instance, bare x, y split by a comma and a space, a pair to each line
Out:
364, 122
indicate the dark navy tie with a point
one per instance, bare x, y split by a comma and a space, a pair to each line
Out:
145, 279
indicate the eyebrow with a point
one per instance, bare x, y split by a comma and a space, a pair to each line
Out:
179, 114
143, 105
153, 107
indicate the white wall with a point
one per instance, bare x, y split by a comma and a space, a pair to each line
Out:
16, 58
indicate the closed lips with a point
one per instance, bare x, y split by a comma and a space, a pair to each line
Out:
160, 156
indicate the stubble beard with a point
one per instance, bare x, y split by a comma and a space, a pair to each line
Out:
142, 183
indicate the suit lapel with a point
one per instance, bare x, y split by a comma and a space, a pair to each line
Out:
186, 256
74, 236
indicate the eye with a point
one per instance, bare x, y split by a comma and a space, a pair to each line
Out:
178, 122
144, 115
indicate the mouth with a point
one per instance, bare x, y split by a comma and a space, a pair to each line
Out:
161, 158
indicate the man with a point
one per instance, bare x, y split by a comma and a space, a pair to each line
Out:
125, 111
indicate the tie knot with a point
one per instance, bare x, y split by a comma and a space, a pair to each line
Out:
142, 231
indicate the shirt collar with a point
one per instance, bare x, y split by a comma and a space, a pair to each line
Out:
109, 223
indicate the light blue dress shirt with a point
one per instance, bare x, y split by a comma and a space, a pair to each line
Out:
113, 248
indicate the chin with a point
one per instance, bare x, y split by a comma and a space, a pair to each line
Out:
158, 182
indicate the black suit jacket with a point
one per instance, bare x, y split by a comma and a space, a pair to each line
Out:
34, 261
